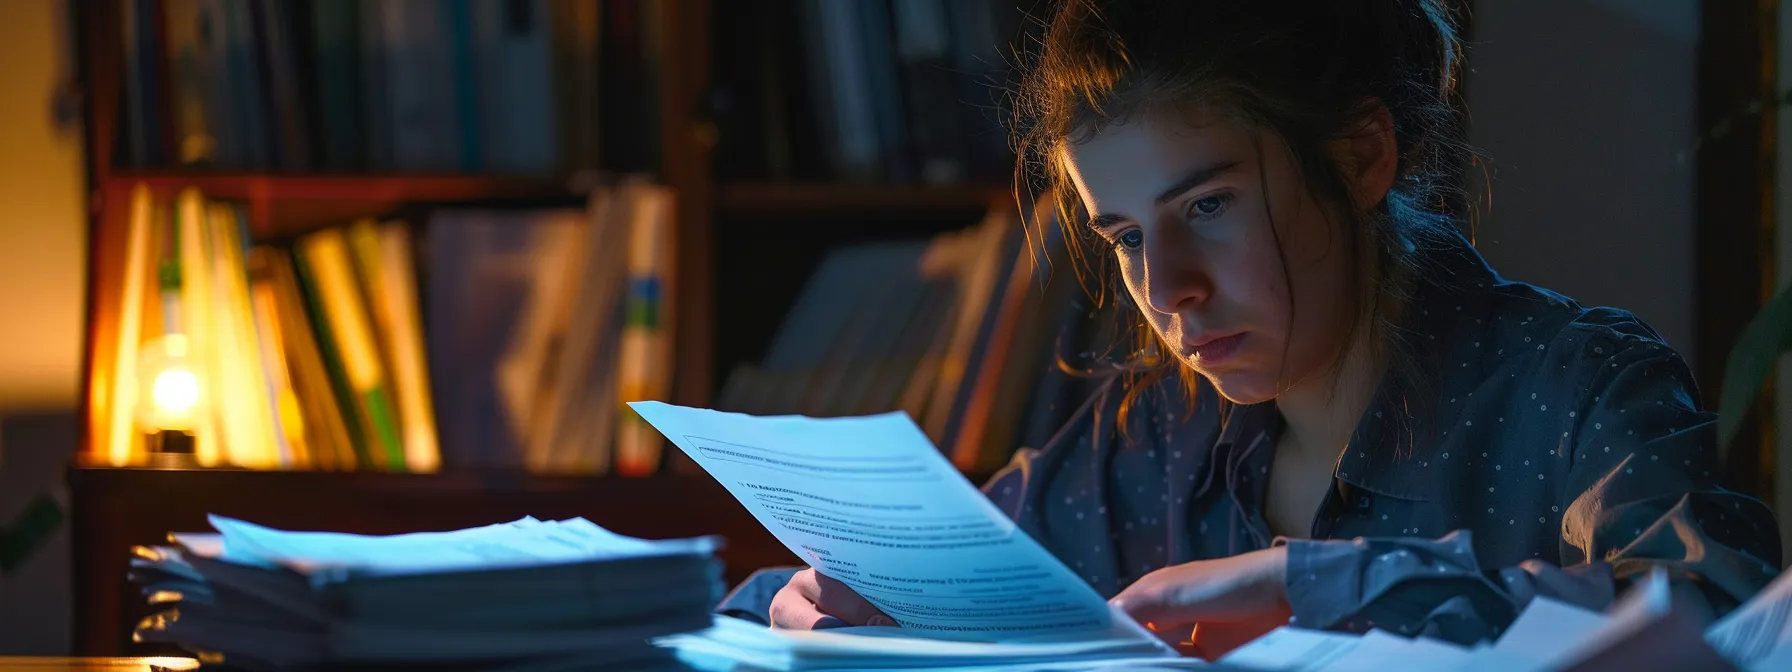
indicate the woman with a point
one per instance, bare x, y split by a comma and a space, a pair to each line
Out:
1342, 418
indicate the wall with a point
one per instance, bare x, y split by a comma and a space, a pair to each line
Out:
1583, 107
42, 279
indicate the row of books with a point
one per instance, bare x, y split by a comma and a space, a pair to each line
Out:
891, 90
475, 86
977, 334
459, 338
545, 322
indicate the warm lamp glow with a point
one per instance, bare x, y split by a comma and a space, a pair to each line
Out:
176, 392
173, 398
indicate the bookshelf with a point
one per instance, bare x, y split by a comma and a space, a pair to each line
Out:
792, 218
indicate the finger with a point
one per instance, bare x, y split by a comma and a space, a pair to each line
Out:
1192, 650
1174, 636
1184, 595
1157, 610
791, 611
1218, 638
837, 599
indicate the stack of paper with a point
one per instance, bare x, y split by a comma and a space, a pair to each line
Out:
734, 645
525, 595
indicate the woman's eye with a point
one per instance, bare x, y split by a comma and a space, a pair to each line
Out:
1132, 240
1208, 206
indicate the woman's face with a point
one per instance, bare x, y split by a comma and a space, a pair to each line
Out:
1194, 212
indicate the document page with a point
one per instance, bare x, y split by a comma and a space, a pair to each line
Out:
1759, 630
327, 556
871, 502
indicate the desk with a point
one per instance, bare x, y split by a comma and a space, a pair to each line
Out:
63, 664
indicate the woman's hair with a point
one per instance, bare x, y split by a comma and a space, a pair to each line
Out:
1305, 71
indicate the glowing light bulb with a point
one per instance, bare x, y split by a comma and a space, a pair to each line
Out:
170, 396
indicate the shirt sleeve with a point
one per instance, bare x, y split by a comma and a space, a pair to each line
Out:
1640, 493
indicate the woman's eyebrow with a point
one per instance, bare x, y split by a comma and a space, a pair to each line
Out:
1194, 178
1104, 221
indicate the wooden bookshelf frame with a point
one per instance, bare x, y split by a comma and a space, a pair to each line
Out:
117, 508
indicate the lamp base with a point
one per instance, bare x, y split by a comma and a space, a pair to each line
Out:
170, 449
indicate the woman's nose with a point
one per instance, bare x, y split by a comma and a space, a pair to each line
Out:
1176, 278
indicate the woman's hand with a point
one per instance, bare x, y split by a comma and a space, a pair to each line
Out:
812, 600
1210, 607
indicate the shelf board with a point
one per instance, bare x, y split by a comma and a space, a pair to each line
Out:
297, 202
286, 204
373, 187
767, 198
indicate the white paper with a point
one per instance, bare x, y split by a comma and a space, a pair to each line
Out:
1379, 651
1543, 631
871, 502
520, 543
1289, 648
734, 641
1301, 650
1647, 601
1758, 630
1542, 637
1779, 660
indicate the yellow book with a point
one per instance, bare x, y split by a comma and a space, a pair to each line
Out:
326, 417
120, 422
408, 358
326, 255
248, 423
196, 310
644, 368
289, 421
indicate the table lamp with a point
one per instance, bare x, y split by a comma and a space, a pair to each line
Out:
171, 399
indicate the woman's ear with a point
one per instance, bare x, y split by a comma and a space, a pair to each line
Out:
1369, 158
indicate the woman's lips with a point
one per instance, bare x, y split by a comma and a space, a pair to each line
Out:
1214, 351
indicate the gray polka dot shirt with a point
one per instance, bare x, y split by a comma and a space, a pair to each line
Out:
1558, 451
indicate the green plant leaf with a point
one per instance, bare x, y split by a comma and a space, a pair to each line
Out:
29, 531
1754, 357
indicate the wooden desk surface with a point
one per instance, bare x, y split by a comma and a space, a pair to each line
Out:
65, 664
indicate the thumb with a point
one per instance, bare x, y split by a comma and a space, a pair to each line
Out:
838, 600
